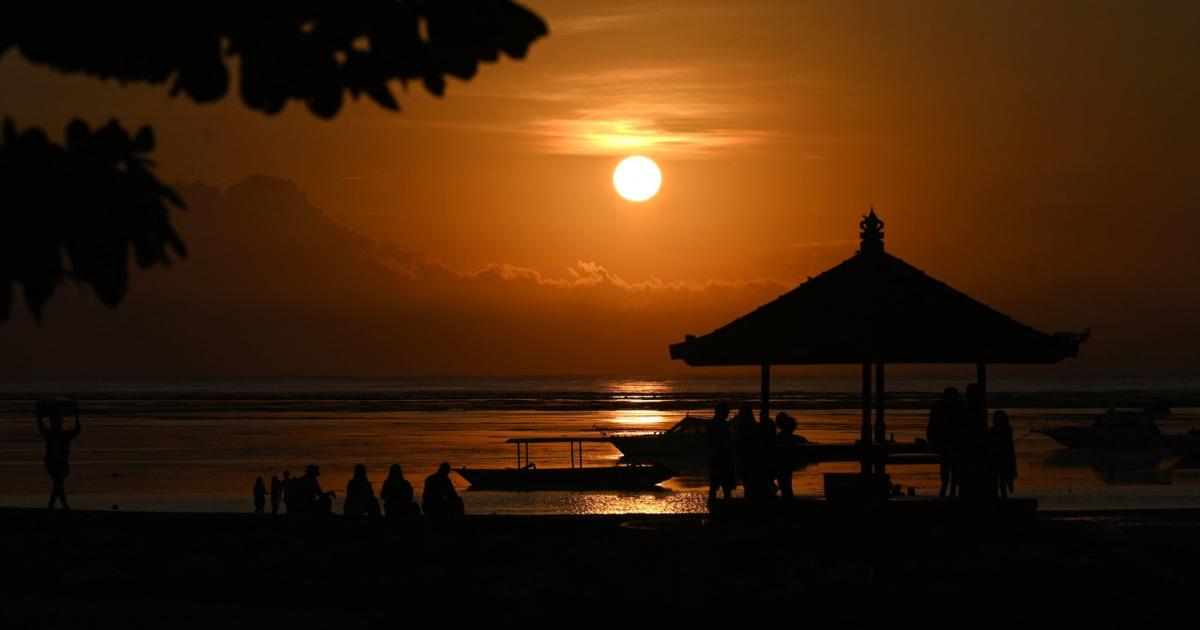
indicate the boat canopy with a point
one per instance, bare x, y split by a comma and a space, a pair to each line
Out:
575, 445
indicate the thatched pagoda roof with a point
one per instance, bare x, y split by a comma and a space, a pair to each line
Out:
874, 307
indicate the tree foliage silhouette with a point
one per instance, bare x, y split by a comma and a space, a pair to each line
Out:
75, 210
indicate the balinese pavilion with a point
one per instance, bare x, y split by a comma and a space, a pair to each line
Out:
872, 310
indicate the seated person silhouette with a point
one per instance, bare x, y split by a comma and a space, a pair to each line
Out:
308, 497
439, 501
58, 444
397, 494
360, 496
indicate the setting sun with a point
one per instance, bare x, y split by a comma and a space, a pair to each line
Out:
637, 178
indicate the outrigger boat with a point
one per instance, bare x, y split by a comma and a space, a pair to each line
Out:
527, 476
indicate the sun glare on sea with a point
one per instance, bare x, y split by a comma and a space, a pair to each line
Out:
637, 178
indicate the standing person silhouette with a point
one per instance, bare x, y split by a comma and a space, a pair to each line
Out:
260, 495
973, 444
58, 444
721, 471
288, 484
745, 448
768, 435
784, 456
1002, 454
276, 493
945, 419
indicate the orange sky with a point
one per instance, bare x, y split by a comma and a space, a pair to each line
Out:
1042, 157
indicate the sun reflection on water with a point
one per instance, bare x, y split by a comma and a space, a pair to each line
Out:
638, 390
640, 418
663, 502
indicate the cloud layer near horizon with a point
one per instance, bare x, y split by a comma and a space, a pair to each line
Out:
275, 288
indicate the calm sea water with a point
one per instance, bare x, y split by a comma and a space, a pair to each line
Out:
199, 445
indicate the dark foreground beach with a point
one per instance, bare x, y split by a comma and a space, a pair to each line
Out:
897, 566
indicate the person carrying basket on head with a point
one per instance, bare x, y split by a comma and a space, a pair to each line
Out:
58, 443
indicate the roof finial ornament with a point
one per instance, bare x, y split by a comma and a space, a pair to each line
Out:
872, 233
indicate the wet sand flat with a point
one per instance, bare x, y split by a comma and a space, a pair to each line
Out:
200, 459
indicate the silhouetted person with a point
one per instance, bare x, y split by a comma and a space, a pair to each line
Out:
784, 460
767, 435
975, 412
1002, 453
309, 498
360, 496
745, 447
289, 485
721, 468
945, 418
439, 501
973, 463
276, 493
397, 494
58, 444
260, 495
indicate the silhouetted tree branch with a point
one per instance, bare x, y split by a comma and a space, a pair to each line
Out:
94, 197
74, 211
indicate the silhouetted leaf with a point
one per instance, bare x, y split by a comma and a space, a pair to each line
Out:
286, 49
75, 210
380, 93
144, 141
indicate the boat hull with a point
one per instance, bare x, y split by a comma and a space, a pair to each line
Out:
649, 449
1111, 440
598, 478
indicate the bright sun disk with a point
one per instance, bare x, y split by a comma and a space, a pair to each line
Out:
637, 178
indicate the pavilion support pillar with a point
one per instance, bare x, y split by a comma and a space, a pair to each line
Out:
765, 403
865, 438
880, 425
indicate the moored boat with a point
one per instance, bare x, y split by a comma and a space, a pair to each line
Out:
1113, 431
527, 476
685, 441
633, 477
684, 444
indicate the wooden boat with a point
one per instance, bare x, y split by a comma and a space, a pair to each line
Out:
685, 441
1113, 431
685, 444
527, 476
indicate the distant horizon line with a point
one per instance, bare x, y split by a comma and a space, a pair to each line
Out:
749, 374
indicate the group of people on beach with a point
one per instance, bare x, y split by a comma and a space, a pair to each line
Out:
303, 495
750, 452
978, 462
